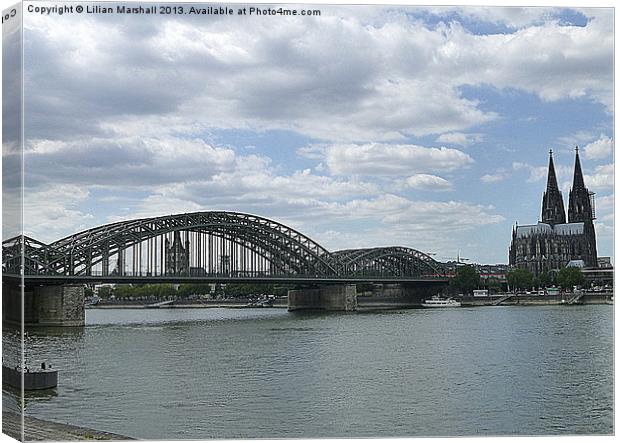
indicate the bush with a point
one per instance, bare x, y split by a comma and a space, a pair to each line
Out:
569, 277
520, 279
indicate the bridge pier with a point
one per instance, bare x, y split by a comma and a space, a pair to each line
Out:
398, 295
328, 298
60, 305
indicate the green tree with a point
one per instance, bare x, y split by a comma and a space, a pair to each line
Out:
520, 278
494, 285
104, 292
466, 279
546, 279
188, 289
569, 277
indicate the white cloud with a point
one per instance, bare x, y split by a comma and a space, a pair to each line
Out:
395, 78
493, 178
513, 17
599, 149
397, 160
460, 138
536, 173
428, 182
577, 138
54, 211
601, 179
563, 173
125, 161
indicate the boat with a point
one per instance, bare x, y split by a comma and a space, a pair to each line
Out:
44, 378
438, 302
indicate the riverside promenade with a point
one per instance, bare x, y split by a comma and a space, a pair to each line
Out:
38, 430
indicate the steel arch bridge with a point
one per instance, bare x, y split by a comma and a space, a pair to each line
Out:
393, 261
206, 245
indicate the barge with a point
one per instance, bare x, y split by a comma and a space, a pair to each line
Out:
44, 378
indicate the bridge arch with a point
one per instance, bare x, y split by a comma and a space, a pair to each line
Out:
391, 261
249, 243
207, 244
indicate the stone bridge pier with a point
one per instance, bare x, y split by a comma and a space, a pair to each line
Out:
53, 305
328, 298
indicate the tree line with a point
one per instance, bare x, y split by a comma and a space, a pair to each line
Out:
170, 291
467, 279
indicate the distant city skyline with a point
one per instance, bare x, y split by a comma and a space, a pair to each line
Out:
426, 127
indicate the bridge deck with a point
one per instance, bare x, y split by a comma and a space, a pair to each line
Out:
61, 279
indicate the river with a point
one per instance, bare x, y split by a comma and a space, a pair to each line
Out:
243, 373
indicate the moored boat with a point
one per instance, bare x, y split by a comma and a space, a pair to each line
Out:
438, 302
44, 378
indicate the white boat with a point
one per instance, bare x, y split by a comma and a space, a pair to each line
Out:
438, 302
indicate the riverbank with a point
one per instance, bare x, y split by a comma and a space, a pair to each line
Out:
280, 303
36, 429
537, 300
369, 303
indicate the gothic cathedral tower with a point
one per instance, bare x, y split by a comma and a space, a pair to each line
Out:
553, 205
581, 210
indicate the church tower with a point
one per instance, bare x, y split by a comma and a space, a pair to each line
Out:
581, 210
177, 257
580, 201
553, 206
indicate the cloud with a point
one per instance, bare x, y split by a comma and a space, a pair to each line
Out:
536, 173
391, 160
512, 17
601, 179
125, 161
563, 173
459, 138
578, 138
500, 175
395, 78
599, 149
428, 182
54, 211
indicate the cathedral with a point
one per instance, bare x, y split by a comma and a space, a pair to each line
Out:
552, 243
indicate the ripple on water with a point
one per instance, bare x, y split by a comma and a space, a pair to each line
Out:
217, 373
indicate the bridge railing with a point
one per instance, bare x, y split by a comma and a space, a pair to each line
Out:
231, 275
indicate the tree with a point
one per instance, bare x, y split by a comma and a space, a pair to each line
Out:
569, 277
466, 279
546, 279
494, 285
105, 292
520, 278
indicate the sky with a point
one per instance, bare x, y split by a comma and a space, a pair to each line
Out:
425, 127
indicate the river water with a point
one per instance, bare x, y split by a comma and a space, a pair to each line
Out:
243, 373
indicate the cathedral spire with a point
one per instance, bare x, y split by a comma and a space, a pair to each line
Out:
553, 206
580, 207
578, 176
552, 182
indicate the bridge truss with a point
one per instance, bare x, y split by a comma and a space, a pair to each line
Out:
205, 244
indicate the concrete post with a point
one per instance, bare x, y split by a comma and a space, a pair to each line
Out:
43, 305
59, 305
105, 263
328, 298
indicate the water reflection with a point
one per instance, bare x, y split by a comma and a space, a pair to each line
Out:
230, 373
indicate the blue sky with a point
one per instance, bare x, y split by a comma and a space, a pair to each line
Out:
367, 126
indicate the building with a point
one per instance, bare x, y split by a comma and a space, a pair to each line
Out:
177, 256
553, 243
605, 263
